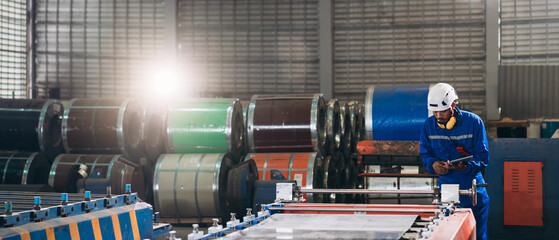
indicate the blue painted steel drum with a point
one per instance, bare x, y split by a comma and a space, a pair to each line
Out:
396, 113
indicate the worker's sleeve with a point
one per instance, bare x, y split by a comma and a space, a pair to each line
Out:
425, 149
480, 154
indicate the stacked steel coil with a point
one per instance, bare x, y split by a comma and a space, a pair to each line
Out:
396, 112
333, 128
286, 123
345, 125
24, 168
241, 183
103, 126
191, 185
206, 126
331, 177
153, 130
305, 168
31, 126
90, 172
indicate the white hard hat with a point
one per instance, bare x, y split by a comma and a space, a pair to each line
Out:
441, 96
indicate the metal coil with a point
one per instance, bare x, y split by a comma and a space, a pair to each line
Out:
353, 107
245, 149
191, 185
206, 125
333, 128
24, 168
361, 118
350, 179
241, 182
305, 168
342, 176
107, 126
345, 125
102, 171
154, 131
31, 126
396, 112
331, 178
287, 123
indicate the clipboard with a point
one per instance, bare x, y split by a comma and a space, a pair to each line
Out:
461, 159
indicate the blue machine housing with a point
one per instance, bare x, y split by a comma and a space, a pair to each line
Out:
105, 218
527, 150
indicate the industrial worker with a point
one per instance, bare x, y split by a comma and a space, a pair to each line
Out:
451, 134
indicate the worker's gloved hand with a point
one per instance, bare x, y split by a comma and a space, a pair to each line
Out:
441, 167
460, 166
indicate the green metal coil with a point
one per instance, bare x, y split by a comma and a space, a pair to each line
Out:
206, 125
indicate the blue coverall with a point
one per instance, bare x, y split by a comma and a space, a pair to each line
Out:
438, 144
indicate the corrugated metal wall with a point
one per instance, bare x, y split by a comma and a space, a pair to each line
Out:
529, 71
529, 32
529, 91
241, 48
13, 49
410, 42
97, 48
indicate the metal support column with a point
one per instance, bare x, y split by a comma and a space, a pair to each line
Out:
171, 25
325, 48
31, 49
492, 59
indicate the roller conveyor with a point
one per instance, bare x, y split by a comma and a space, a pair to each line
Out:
109, 217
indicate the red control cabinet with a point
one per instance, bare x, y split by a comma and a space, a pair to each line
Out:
523, 197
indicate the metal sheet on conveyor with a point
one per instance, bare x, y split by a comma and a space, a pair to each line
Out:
325, 226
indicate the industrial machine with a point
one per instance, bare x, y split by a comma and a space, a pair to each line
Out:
110, 217
288, 218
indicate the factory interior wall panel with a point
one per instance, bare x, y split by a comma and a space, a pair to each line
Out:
529, 33
242, 48
529, 58
97, 48
410, 42
526, 92
13, 49
512, 151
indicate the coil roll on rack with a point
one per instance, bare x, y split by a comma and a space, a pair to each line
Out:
287, 123
241, 182
305, 168
102, 171
31, 126
154, 128
353, 108
24, 168
333, 128
107, 126
345, 126
396, 112
206, 125
331, 178
191, 185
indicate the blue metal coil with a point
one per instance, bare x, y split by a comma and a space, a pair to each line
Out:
396, 113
